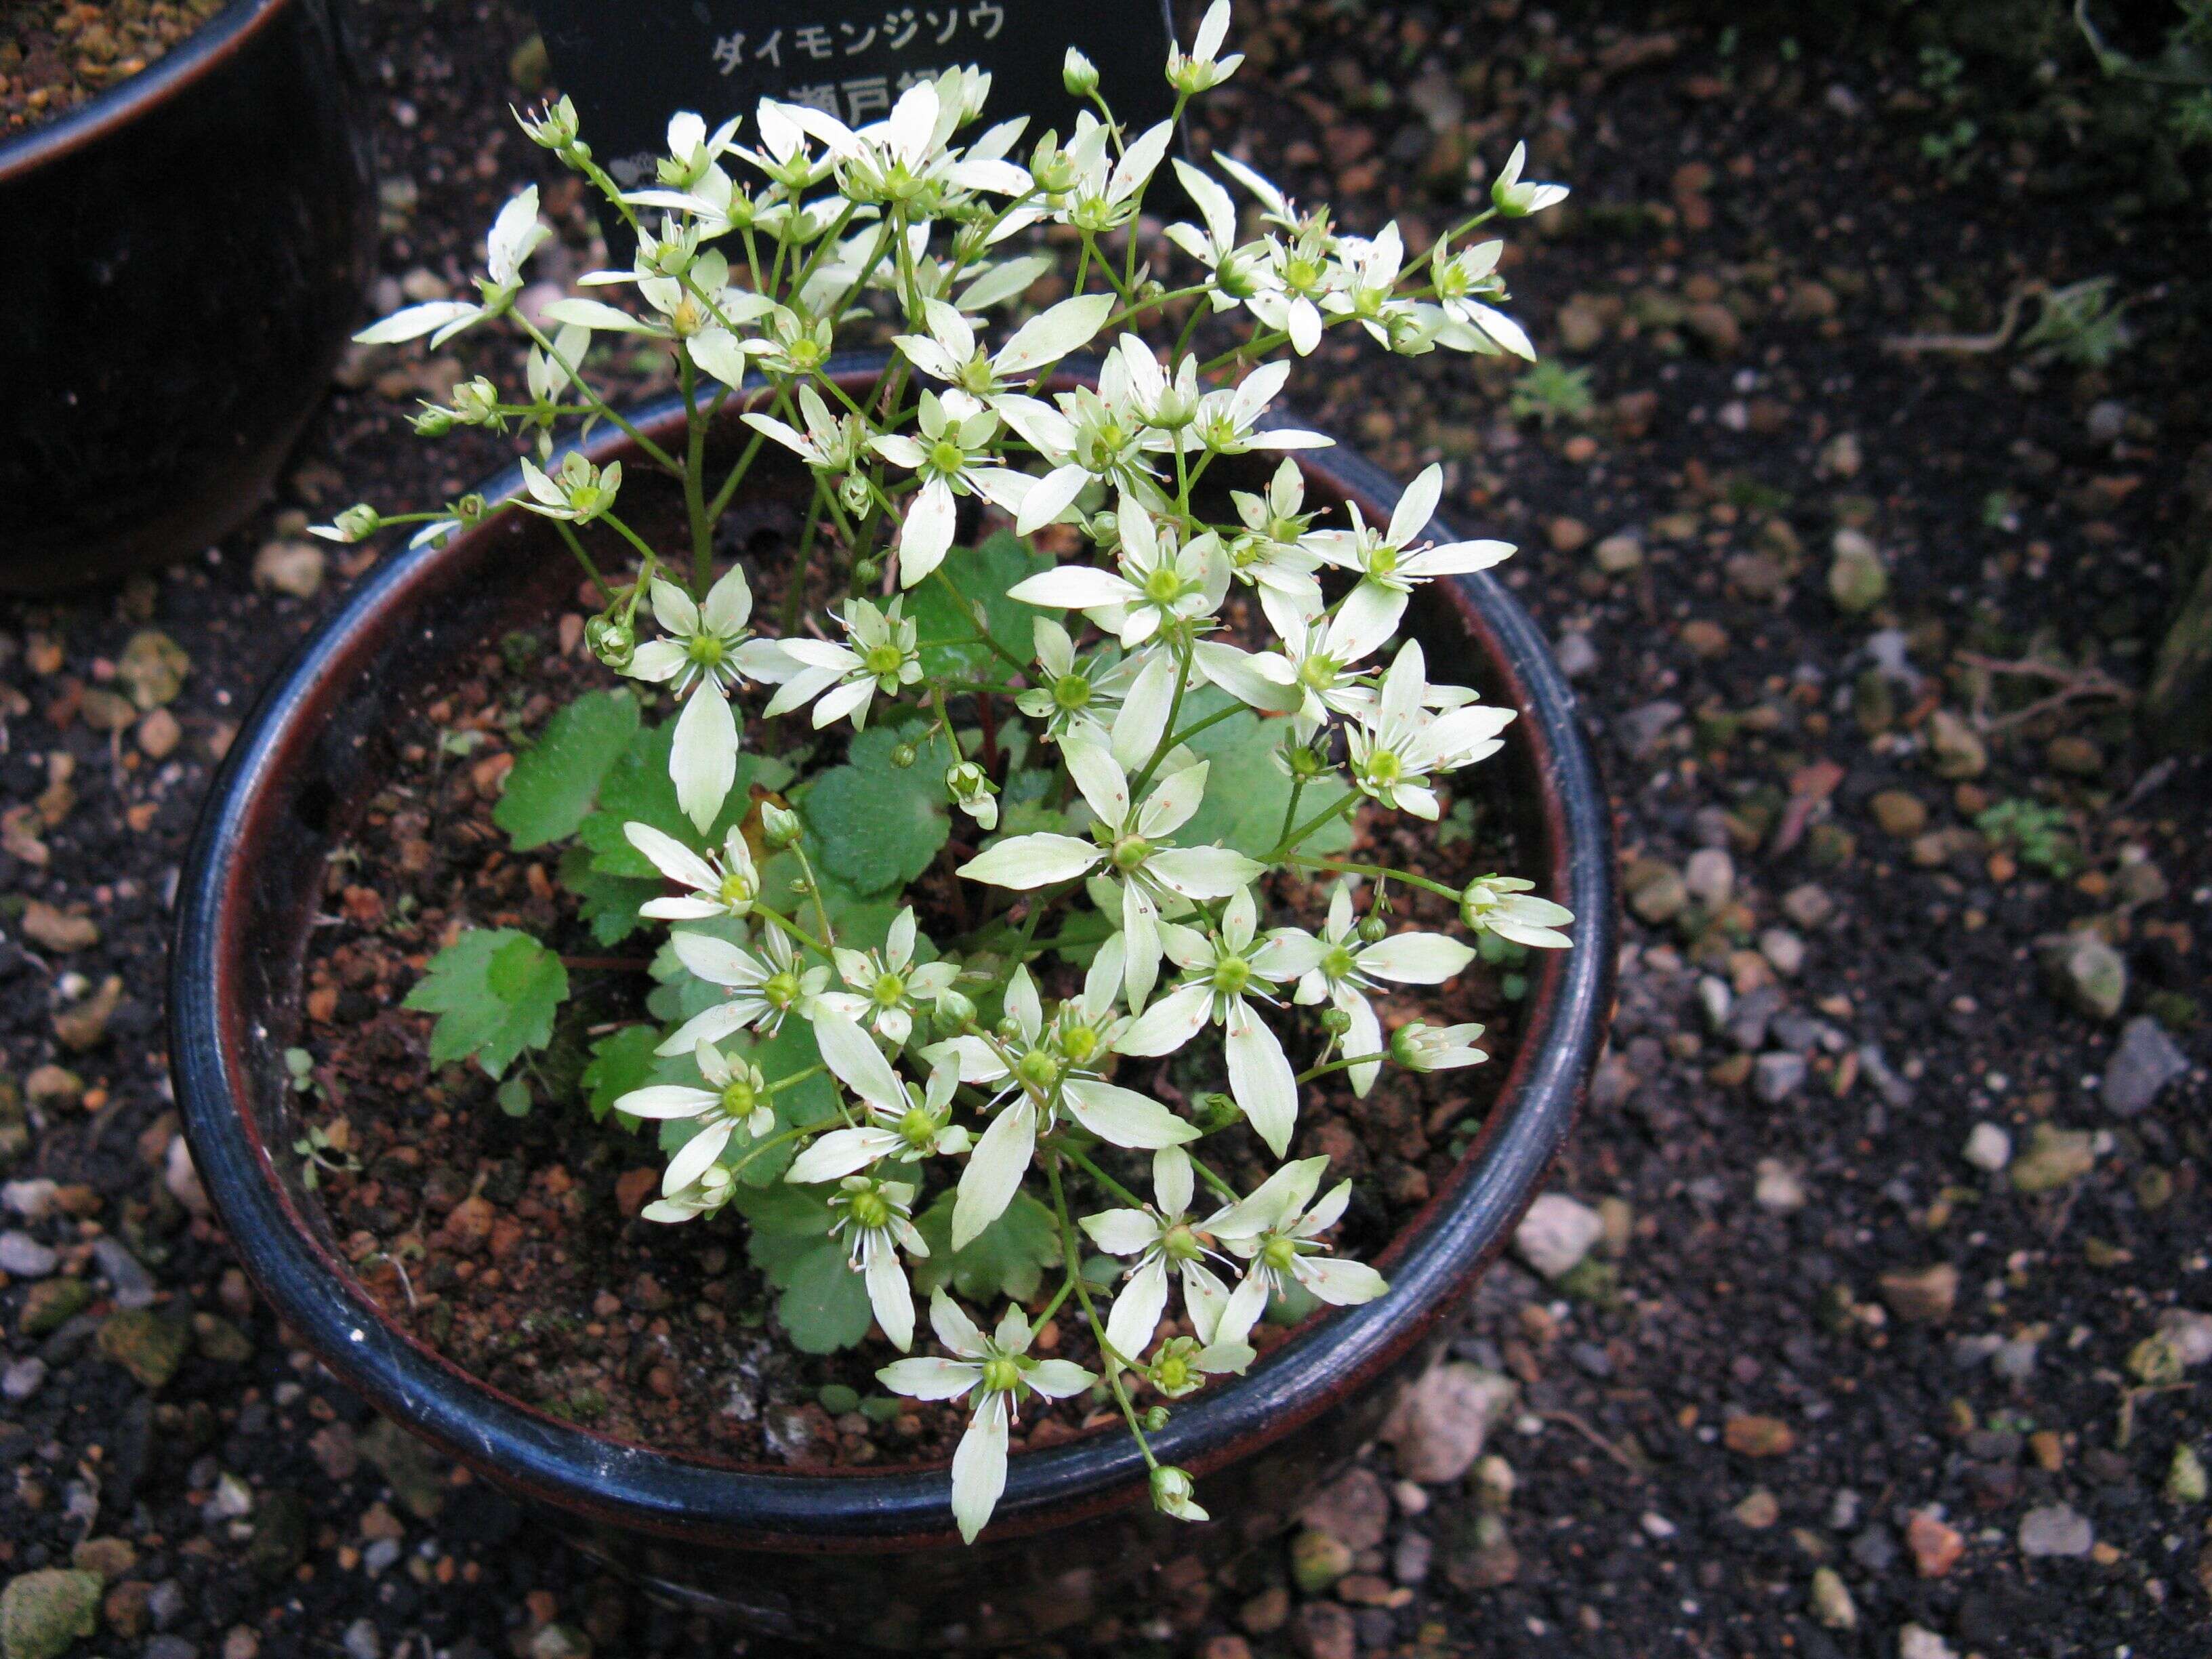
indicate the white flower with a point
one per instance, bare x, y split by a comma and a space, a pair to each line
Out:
995, 1373
1507, 906
1161, 584
1393, 756
955, 431
1388, 570
1269, 555
1463, 282
1183, 1363
722, 887
1164, 1238
1278, 1236
1239, 271
972, 792
904, 1124
1345, 970
515, 235
1227, 420
877, 1218
949, 352
1221, 971
1051, 1074
577, 492
1323, 658
883, 657
1172, 1490
715, 1187
903, 155
1201, 71
1516, 199
1082, 436
762, 993
706, 655
1367, 283
736, 1097
890, 986
1129, 848
1421, 1047
1071, 696
831, 443
1103, 194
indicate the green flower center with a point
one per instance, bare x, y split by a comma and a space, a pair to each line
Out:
1129, 851
1337, 962
1078, 1043
738, 1096
1319, 672
1163, 586
781, 989
887, 990
1384, 767
1171, 1372
945, 455
1181, 1244
1280, 1252
706, 650
883, 660
1001, 1374
738, 888
917, 1128
871, 1209
1381, 559
1071, 692
1232, 975
1039, 1068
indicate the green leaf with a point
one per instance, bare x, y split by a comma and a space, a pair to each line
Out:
556, 779
784, 1225
620, 1062
826, 1306
1246, 793
637, 786
495, 991
1007, 1259
609, 903
983, 575
862, 921
879, 825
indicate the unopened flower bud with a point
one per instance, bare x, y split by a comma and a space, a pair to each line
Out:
1305, 762
1373, 930
779, 826
867, 572
1079, 74
612, 641
356, 524
956, 1008
1336, 1021
434, 422
853, 491
1155, 1420
475, 402
904, 755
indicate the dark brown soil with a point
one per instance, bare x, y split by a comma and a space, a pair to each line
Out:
54, 54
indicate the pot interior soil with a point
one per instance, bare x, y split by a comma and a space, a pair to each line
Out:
512, 1246
55, 54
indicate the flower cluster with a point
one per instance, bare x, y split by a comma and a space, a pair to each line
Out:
974, 1067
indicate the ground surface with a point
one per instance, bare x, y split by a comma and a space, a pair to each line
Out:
1825, 1385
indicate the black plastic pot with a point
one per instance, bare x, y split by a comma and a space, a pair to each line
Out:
862, 1557
184, 255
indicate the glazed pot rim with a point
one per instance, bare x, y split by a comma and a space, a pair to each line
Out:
1433, 1256
196, 55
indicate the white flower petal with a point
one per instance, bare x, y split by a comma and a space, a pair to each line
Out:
929, 1379
672, 857
1169, 1023
994, 1170
842, 1152
890, 1296
979, 1467
1202, 872
703, 761
1260, 1078
1341, 1284
1122, 1115
1415, 958
1023, 862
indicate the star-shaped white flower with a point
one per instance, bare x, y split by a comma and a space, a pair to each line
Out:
876, 1219
1222, 971
706, 655
1387, 562
724, 886
884, 656
1277, 1232
1394, 754
1517, 199
1507, 906
736, 1098
955, 431
760, 992
515, 235
949, 352
887, 986
1346, 970
995, 1373
1164, 1238
1129, 846
1162, 582
903, 1124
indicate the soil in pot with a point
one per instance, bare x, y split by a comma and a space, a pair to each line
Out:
55, 54
510, 1243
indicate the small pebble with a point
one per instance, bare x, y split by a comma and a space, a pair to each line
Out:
24, 1257
1988, 1147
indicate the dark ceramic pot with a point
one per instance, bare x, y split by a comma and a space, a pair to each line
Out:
184, 254
854, 1557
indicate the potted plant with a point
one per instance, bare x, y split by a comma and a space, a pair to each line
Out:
1020, 912
196, 237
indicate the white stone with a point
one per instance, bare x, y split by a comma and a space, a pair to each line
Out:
1557, 1233
1988, 1147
